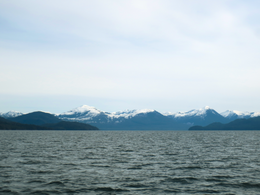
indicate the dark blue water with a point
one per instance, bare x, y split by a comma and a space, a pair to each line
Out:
129, 162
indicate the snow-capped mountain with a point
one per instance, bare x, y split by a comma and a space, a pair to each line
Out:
88, 113
11, 114
128, 119
81, 113
203, 116
129, 113
137, 118
207, 115
234, 114
146, 119
202, 112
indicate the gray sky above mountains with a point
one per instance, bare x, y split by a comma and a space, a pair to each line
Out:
165, 55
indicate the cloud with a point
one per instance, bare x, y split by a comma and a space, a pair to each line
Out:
164, 50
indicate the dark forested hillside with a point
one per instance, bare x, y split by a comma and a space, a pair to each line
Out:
239, 124
39, 118
10, 125
65, 125
36, 118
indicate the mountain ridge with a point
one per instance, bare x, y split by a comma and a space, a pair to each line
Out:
123, 120
148, 119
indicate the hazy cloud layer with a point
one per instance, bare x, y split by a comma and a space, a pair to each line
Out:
160, 54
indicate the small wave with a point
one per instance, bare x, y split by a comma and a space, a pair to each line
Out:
45, 192
56, 183
131, 180
240, 185
120, 161
135, 185
147, 164
100, 166
172, 190
171, 154
127, 150
214, 180
219, 178
51, 157
190, 167
209, 191
40, 172
7, 192
250, 185
135, 168
88, 148
89, 158
4, 166
32, 162
76, 191
109, 189
36, 181
223, 176
69, 164
182, 180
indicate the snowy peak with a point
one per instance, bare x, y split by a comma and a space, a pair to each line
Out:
129, 113
11, 114
199, 112
202, 116
82, 113
228, 114
83, 110
91, 113
239, 114
207, 108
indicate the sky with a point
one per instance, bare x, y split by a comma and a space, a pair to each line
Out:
167, 55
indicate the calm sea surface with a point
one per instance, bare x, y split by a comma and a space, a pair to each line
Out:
129, 162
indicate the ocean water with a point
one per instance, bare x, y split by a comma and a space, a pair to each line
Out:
129, 162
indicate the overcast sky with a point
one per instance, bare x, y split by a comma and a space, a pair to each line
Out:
167, 55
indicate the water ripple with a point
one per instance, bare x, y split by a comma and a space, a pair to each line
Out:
129, 162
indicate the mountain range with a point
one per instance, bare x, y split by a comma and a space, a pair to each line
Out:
147, 119
144, 119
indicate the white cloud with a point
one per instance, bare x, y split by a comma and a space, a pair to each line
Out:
164, 50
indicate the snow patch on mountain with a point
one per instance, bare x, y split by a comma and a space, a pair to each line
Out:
88, 113
83, 109
228, 113
239, 114
11, 114
82, 113
129, 113
255, 114
195, 112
